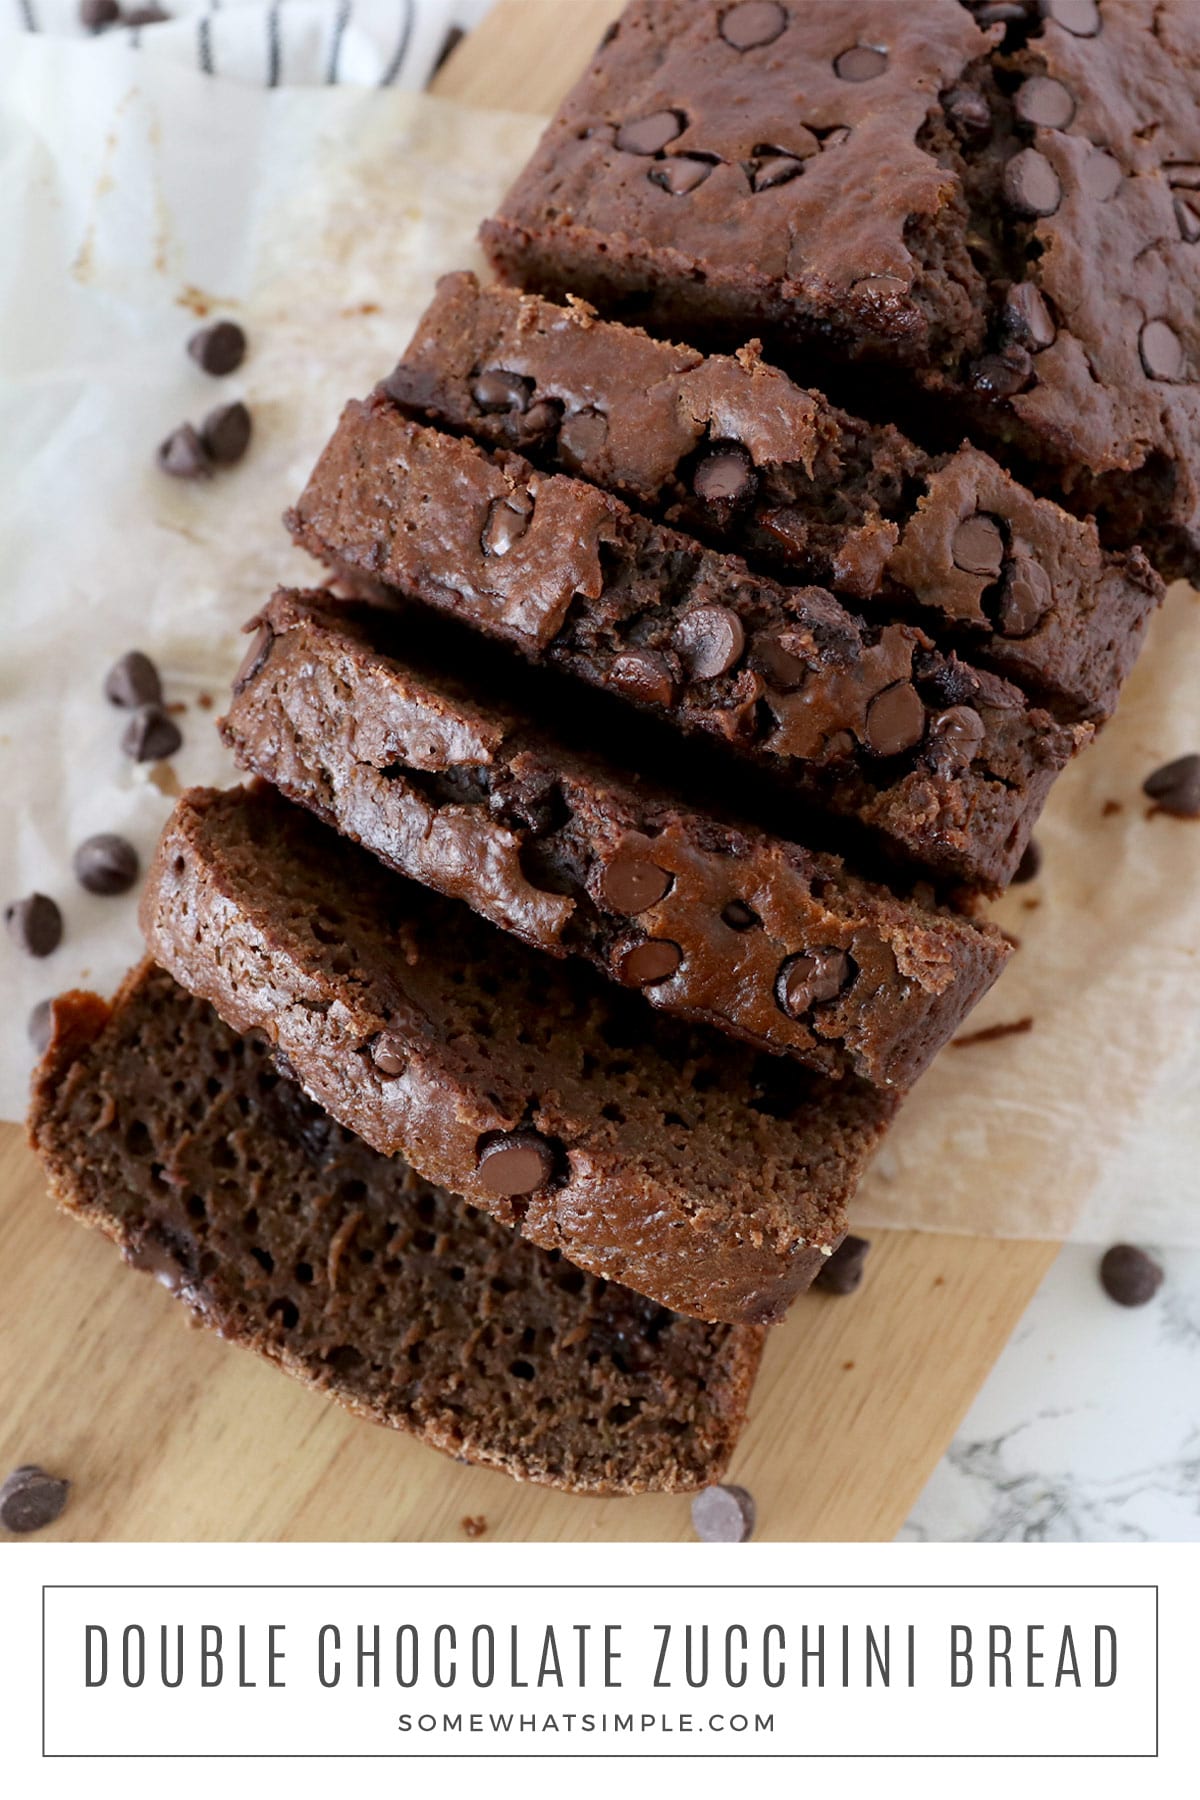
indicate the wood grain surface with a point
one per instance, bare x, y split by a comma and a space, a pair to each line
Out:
166, 1433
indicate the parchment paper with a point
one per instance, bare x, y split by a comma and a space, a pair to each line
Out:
136, 196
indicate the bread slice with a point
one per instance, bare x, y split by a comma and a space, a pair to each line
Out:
284, 1233
343, 709
943, 765
710, 1178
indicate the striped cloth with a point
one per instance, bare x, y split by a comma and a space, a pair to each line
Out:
274, 43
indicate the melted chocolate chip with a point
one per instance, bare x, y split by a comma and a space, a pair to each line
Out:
880, 287
709, 639
726, 476
810, 979
739, 917
646, 963
954, 737
1026, 317
723, 1515
842, 1272
752, 24
1176, 787
1129, 1276
1044, 101
1161, 351
681, 174
774, 171
106, 864
630, 884
218, 348
895, 720
1080, 17
1188, 221
1026, 595
969, 116
1002, 373
34, 923
541, 419
978, 545
132, 681
1101, 175
507, 522
257, 652
1031, 186
775, 655
498, 390
863, 62
389, 1053
1030, 864
151, 735
582, 437
643, 675
646, 137
95, 15
515, 1162
30, 1499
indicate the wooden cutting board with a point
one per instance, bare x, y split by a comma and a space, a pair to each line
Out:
166, 1433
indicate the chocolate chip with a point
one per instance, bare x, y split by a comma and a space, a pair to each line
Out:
257, 651
133, 680
810, 979
648, 962
1044, 101
861, 63
541, 419
774, 171
151, 735
94, 15
146, 15
183, 455
225, 433
978, 545
34, 924
1025, 597
106, 864
507, 522
1002, 373
1161, 351
630, 884
774, 655
1031, 186
1175, 788
680, 174
739, 917
1101, 175
646, 137
842, 1272
880, 287
954, 737
1030, 864
389, 1053
515, 1162
723, 1515
498, 390
726, 476
1026, 317
754, 23
969, 115
218, 348
644, 675
1188, 221
1080, 17
30, 1499
582, 436
1001, 12
1183, 175
709, 639
38, 1026
1129, 1276
895, 720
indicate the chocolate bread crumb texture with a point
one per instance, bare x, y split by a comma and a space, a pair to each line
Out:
684, 1165
947, 764
731, 449
713, 922
1009, 217
211, 1169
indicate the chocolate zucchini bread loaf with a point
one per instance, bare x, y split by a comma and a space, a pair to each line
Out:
685, 1166
1008, 218
714, 922
729, 448
208, 1166
947, 765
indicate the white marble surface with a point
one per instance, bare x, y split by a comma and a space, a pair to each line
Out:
1089, 1425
